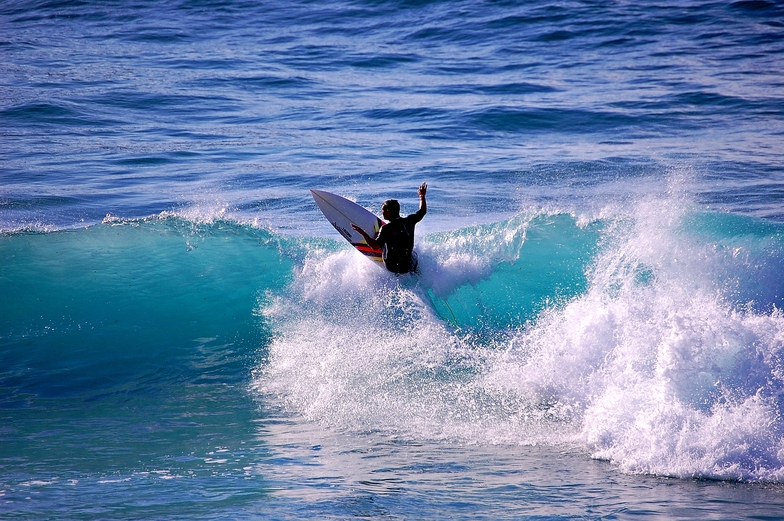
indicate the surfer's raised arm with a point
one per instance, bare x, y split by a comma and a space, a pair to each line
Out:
422, 191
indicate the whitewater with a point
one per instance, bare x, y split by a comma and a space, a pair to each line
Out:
644, 346
597, 328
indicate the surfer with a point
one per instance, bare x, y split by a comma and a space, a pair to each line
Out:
396, 237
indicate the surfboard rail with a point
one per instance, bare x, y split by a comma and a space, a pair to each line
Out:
342, 213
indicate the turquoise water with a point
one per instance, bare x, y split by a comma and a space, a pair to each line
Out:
166, 368
596, 331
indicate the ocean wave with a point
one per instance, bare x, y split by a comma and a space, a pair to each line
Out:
649, 338
653, 362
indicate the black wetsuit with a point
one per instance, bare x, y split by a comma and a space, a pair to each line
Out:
396, 239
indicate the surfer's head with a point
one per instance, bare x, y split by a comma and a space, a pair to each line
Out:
390, 209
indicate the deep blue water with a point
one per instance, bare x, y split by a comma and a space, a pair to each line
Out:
597, 328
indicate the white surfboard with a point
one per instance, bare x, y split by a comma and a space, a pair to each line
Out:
342, 213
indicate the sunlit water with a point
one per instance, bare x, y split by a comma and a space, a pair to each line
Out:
596, 331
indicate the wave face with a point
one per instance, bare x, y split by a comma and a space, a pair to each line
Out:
652, 339
125, 351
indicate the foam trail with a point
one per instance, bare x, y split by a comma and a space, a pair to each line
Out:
359, 349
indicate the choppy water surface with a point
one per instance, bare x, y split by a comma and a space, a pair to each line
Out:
597, 330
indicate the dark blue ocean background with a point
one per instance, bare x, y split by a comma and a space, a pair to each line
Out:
597, 329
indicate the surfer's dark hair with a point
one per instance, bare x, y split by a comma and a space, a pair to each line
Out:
392, 205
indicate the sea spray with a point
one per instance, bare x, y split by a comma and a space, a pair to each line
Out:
663, 373
352, 346
652, 363
358, 348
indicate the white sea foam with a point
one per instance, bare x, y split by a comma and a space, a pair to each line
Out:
664, 375
653, 367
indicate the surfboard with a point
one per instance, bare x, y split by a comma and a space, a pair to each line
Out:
342, 213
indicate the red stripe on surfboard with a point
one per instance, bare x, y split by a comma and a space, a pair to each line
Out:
367, 250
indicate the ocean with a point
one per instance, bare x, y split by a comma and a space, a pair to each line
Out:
596, 331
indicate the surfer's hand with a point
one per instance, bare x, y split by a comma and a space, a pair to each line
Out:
422, 190
368, 239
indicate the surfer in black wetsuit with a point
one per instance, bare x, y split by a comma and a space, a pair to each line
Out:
396, 237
